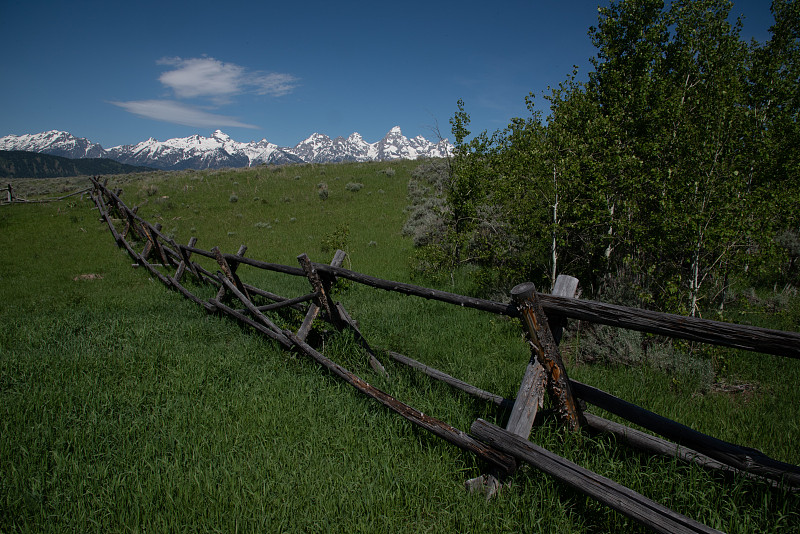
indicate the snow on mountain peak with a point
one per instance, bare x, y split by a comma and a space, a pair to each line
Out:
219, 150
53, 142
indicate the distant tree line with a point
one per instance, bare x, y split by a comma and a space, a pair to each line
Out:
22, 164
672, 172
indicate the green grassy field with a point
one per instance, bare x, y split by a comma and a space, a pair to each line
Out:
126, 408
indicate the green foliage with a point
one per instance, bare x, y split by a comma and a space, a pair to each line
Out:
673, 169
336, 240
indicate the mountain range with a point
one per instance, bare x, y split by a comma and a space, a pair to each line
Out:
219, 150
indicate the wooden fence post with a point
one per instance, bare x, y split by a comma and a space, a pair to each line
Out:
536, 379
565, 286
162, 254
229, 271
186, 261
130, 222
151, 246
336, 311
322, 289
545, 351
10, 194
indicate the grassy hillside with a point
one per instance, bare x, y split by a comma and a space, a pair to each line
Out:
124, 407
21, 164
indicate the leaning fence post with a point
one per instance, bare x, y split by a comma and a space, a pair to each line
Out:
130, 222
149, 245
153, 247
229, 271
530, 396
322, 288
313, 309
186, 261
545, 351
154, 234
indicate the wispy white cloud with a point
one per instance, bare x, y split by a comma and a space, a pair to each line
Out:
274, 84
209, 77
179, 113
215, 83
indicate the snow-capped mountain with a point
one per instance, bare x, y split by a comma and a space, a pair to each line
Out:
54, 143
320, 148
197, 152
219, 150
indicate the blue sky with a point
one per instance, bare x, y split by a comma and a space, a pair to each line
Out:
118, 73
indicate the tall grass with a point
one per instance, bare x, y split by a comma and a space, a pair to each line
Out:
124, 407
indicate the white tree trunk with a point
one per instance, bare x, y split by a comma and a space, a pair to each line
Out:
554, 248
609, 248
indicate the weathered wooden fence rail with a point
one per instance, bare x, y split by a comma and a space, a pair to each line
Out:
170, 261
11, 198
738, 336
626, 501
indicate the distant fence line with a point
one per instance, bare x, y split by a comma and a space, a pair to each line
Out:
541, 315
11, 198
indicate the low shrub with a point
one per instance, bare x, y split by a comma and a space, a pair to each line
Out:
354, 186
337, 239
322, 191
148, 190
606, 345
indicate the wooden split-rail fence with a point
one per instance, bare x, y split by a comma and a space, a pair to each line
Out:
542, 317
9, 197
